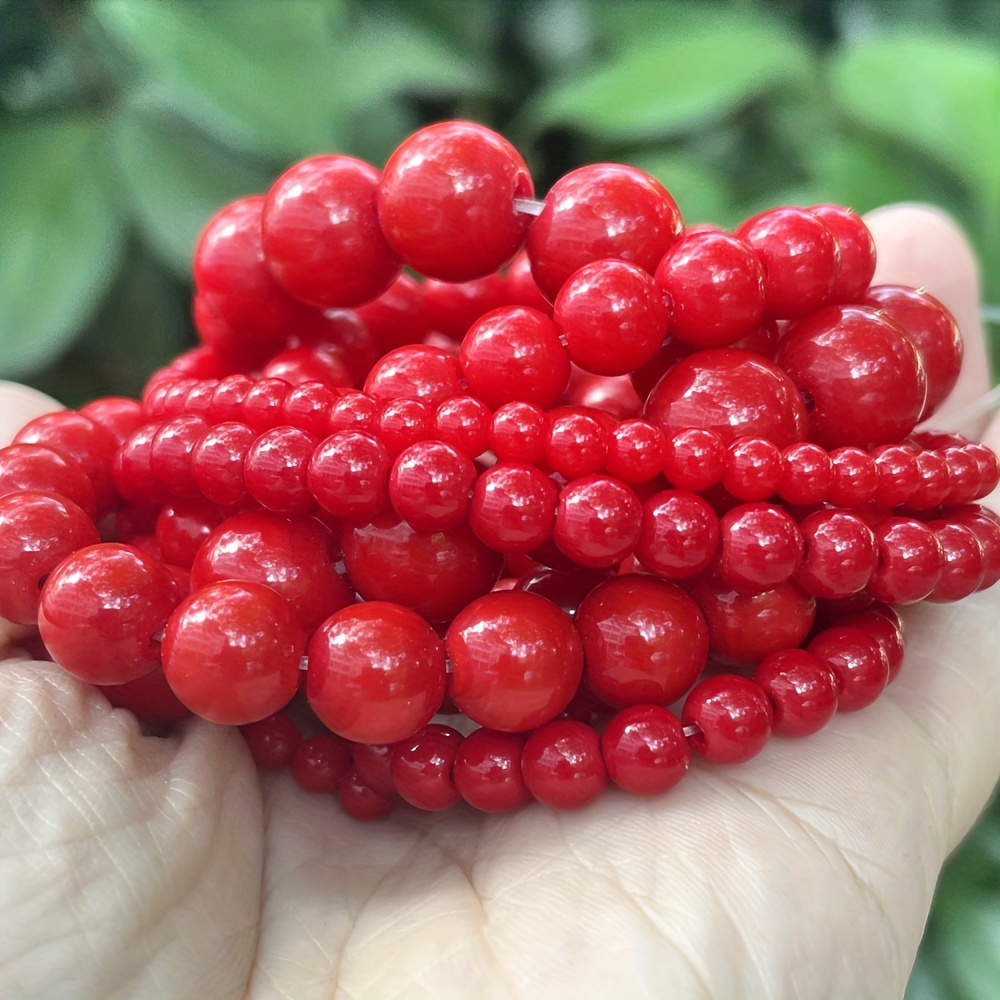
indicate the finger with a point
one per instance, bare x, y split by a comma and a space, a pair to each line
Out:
922, 246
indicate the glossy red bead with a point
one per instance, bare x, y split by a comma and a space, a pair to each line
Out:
598, 521
576, 446
518, 433
321, 235
36, 467
644, 641
226, 403
451, 307
429, 485
753, 468
425, 373
348, 474
513, 507
840, 554
308, 407
262, 406
446, 201
100, 610
694, 459
516, 660
183, 525
858, 661
562, 765
272, 742
636, 451
422, 768
933, 481
118, 415
985, 524
806, 473
231, 652
801, 688
598, 212
275, 470
376, 672
855, 251
854, 477
314, 363
360, 801
398, 316
886, 627
403, 422
463, 422
909, 561
896, 474
217, 462
679, 536
320, 763
487, 771
733, 717
645, 750
963, 563
760, 547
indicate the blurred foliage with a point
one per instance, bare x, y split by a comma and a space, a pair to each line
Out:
124, 124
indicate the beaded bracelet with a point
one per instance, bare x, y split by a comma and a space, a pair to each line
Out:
662, 466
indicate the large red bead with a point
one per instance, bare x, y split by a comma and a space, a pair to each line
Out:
563, 766
733, 716
645, 750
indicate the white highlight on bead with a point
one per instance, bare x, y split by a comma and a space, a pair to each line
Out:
528, 206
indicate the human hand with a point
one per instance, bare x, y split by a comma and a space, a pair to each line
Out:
137, 866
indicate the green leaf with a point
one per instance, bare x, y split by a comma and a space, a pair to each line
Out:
175, 179
60, 237
939, 95
700, 192
697, 72
263, 76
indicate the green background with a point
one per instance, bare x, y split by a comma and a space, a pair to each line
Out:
124, 124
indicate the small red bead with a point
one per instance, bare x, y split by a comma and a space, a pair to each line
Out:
840, 554
227, 399
272, 742
679, 536
430, 485
353, 411
753, 468
985, 524
881, 622
518, 433
464, 423
418, 371
403, 422
760, 547
645, 750
562, 764
132, 474
315, 363
275, 470
348, 474
855, 478
806, 473
598, 521
896, 475
262, 406
422, 768
933, 482
909, 561
182, 527
118, 415
636, 451
307, 407
577, 445
217, 462
487, 771
453, 306
360, 801
694, 459
802, 691
513, 508
963, 564
857, 660
398, 316
855, 251
320, 763
733, 716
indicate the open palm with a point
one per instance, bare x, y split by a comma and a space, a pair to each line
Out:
136, 866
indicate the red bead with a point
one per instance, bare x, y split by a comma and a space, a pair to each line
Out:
182, 526
118, 415
422, 768
425, 373
398, 316
436, 573
862, 375
376, 672
753, 468
884, 625
518, 433
896, 475
487, 771
202, 362
733, 716
855, 251
564, 587
403, 422
227, 399
800, 260
373, 765
175, 398
645, 750
308, 407
315, 363
515, 354
932, 330
909, 561
516, 660
577, 445
521, 288
453, 306
292, 555
353, 411
855, 478
170, 453
612, 315
597, 521
694, 459
217, 462
744, 628
198, 399
132, 472
275, 470
963, 564
272, 742
513, 508
760, 547
360, 801
446, 201
36, 467
149, 698
320, 762
342, 332
321, 234
679, 536
644, 640
562, 765
802, 691
989, 468
430, 485
636, 451
100, 609
348, 474
714, 285
598, 212
231, 652
985, 524
963, 476
263, 404
840, 554
464, 423
857, 660
732, 392
806, 473
37, 531
933, 482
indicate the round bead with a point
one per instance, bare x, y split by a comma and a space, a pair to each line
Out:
714, 285
760, 547
263, 404
802, 691
857, 660
218, 459
753, 468
909, 561
272, 742
308, 407
733, 716
320, 763
430, 485
598, 212
422, 768
694, 459
321, 234
962, 561
933, 482
170, 453
636, 451
403, 422
514, 354
359, 801
118, 415
376, 672
806, 473
226, 403
446, 201
577, 445
315, 363
562, 765
436, 573
679, 536
182, 526
840, 554
149, 698
885, 626
518, 433
348, 475
487, 771
612, 315
464, 423
855, 251
862, 374
645, 750
513, 508
597, 521
644, 640
732, 392
398, 316
429, 374
275, 470
985, 524
453, 306
516, 660
352, 411
231, 652
896, 475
